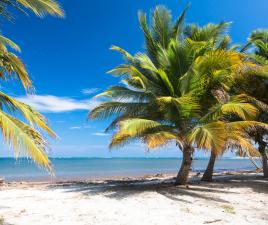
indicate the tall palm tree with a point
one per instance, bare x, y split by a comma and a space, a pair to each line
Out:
21, 126
215, 34
256, 85
168, 90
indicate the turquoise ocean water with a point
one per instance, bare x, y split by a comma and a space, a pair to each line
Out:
86, 168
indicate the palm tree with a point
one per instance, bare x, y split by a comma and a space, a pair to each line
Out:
23, 135
168, 89
254, 83
235, 139
220, 40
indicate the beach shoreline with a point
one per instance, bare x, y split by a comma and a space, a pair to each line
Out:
233, 198
194, 176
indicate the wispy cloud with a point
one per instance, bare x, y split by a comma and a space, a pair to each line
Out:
100, 134
59, 121
89, 91
75, 128
56, 104
80, 127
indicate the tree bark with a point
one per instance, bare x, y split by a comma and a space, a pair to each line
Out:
207, 176
186, 163
264, 159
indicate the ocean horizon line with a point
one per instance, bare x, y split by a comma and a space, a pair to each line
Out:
89, 157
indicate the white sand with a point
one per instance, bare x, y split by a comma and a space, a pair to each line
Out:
238, 200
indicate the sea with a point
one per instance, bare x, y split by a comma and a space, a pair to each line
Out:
100, 168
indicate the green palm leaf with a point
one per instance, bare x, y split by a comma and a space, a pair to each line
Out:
148, 130
107, 109
24, 139
210, 136
32, 116
40, 7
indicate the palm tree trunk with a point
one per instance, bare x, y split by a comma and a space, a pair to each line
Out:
264, 159
187, 159
207, 176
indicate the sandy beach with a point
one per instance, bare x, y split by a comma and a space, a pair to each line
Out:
232, 199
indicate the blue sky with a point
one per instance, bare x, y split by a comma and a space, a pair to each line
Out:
67, 60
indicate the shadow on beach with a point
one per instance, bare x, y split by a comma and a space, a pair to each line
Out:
120, 189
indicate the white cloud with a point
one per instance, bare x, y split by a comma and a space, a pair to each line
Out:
100, 134
80, 127
89, 91
75, 128
60, 121
55, 104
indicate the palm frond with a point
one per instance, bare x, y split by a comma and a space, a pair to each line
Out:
260, 105
10, 64
242, 145
123, 93
178, 27
24, 139
151, 46
34, 117
209, 32
210, 136
167, 82
161, 26
242, 110
160, 138
127, 55
42, 7
147, 130
247, 127
225, 42
107, 109
186, 106
132, 72
7, 42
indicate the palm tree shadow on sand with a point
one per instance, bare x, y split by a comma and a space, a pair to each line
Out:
120, 189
